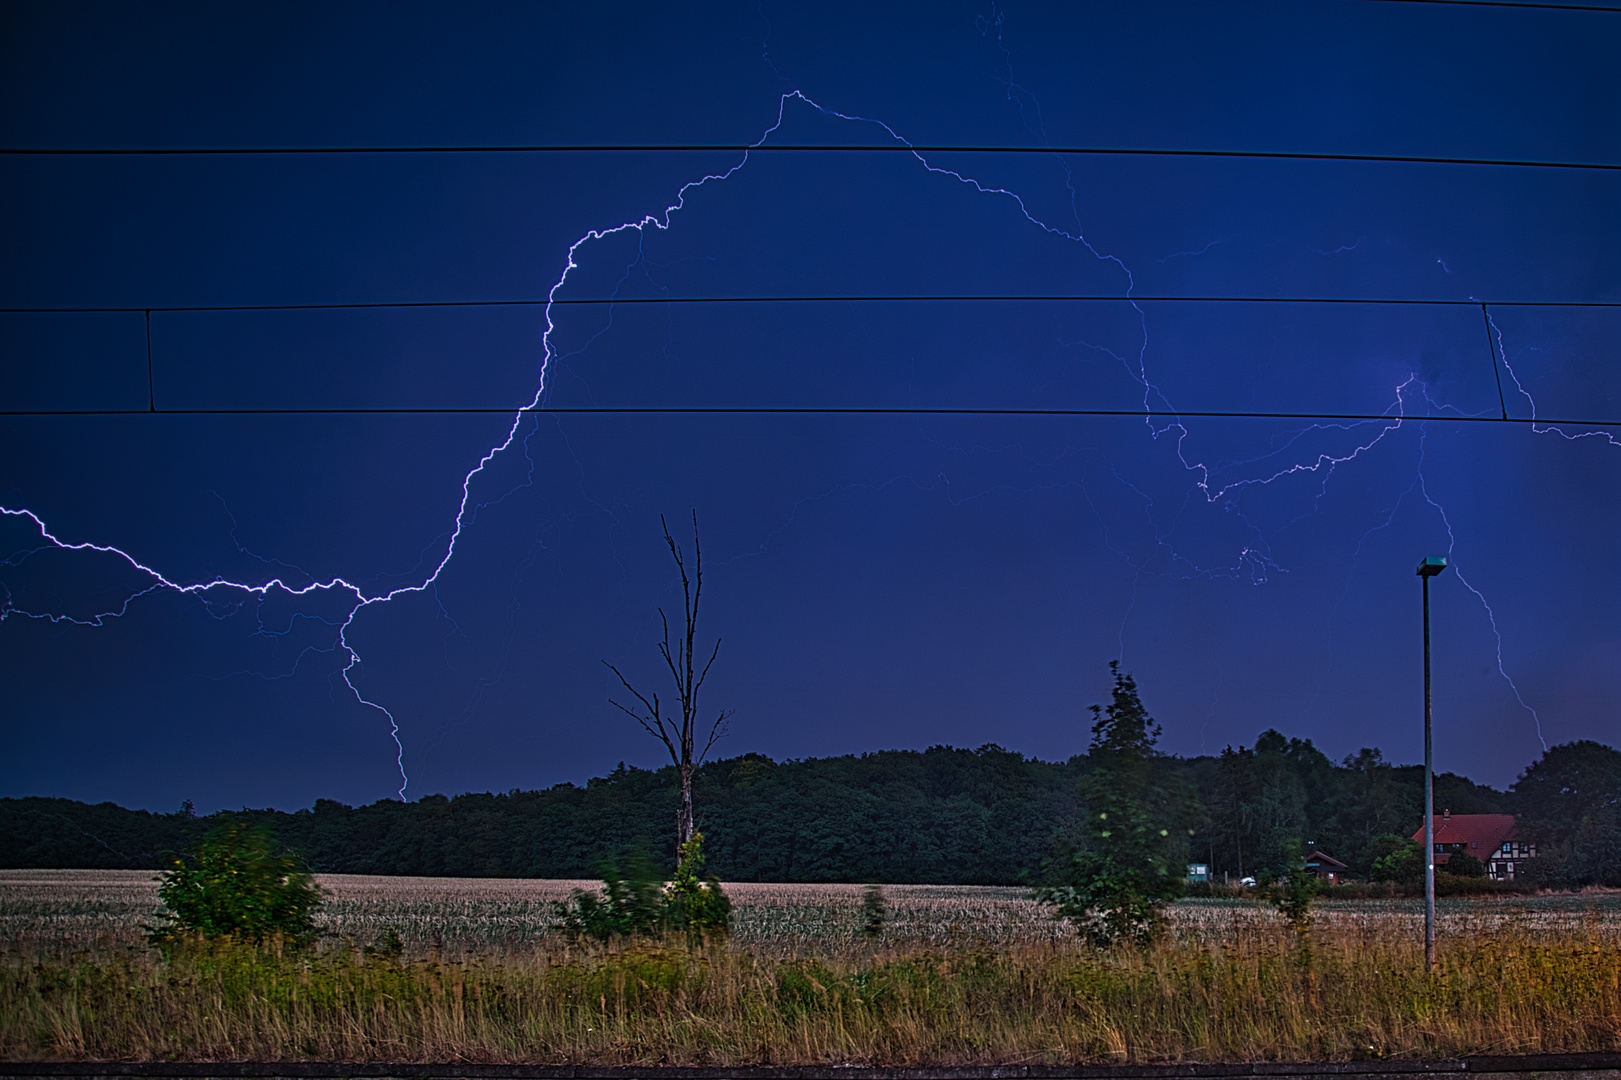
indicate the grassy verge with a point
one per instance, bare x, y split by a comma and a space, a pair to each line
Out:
1252, 994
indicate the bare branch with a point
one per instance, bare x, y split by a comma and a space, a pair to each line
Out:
657, 733
675, 552
656, 728
705, 672
664, 650
651, 707
719, 731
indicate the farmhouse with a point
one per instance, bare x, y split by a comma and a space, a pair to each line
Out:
1326, 868
1491, 838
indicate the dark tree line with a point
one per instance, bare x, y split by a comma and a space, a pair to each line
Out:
951, 816
1260, 799
943, 815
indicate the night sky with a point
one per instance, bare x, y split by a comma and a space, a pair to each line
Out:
879, 580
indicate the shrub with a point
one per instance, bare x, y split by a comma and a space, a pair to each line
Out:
1297, 891
695, 905
635, 903
873, 912
238, 884
1395, 858
631, 904
1445, 885
1205, 890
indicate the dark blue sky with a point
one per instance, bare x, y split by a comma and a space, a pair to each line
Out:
894, 580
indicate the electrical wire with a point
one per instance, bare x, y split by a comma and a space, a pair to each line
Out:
1510, 4
820, 299
796, 148
807, 410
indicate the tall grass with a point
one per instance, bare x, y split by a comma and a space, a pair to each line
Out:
1231, 983
1256, 998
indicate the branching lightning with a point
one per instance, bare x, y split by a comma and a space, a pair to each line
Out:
1541, 429
1161, 419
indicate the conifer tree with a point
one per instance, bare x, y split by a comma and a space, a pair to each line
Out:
1137, 825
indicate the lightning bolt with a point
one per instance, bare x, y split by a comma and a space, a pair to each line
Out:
1539, 428
1159, 415
1452, 539
1497, 634
357, 598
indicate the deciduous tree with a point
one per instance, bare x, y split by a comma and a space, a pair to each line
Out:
1569, 803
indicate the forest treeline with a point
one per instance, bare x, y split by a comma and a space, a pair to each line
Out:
942, 815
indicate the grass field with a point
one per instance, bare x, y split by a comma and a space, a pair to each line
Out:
961, 975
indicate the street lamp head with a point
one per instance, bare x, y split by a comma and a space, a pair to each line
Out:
1432, 565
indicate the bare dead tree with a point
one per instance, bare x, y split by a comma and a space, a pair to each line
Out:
679, 735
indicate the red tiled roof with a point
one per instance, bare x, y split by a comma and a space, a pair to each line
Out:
1481, 833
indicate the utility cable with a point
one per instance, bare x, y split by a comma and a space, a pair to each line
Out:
807, 410
959, 298
795, 148
1509, 4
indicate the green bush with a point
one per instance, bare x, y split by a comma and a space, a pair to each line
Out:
695, 905
635, 903
237, 883
1395, 858
631, 904
873, 912
1108, 902
1293, 897
1445, 885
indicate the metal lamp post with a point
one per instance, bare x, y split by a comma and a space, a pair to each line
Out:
1428, 568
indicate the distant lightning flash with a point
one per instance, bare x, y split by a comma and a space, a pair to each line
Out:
1497, 634
1452, 540
1159, 415
1540, 429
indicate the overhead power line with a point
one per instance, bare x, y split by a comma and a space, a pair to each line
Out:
808, 410
1511, 4
962, 298
796, 148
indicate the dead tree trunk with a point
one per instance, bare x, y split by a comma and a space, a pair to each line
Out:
679, 733
683, 813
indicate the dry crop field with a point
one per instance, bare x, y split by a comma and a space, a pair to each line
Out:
961, 975
82, 908
86, 908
